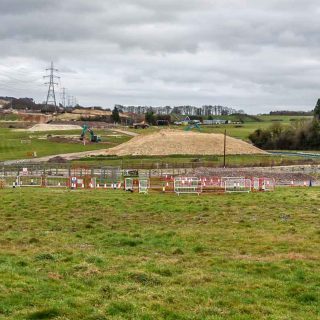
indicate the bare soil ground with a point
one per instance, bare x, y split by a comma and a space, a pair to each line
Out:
53, 127
126, 132
171, 142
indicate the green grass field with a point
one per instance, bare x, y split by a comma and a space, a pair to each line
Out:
12, 148
196, 161
113, 255
242, 131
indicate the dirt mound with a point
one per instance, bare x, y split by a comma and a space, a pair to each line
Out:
57, 159
169, 142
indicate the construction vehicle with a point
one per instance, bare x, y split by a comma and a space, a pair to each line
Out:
193, 125
93, 137
140, 125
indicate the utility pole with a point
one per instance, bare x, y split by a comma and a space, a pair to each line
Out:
51, 96
224, 148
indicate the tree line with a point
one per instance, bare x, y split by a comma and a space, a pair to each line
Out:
300, 135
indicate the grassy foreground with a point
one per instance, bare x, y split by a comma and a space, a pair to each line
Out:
111, 255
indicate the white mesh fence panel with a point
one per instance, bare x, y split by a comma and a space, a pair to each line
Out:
30, 181
187, 185
129, 184
56, 182
143, 185
237, 185
268, 184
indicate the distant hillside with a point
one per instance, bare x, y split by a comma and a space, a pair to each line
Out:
237, 117
246, 118
8, 99
26, 104
291, 113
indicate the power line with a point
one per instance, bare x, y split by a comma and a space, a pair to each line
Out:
51, 96
22, 80
71, 100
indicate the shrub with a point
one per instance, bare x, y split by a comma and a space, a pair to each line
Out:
303, 136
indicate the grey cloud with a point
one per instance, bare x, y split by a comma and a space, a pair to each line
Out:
245, 53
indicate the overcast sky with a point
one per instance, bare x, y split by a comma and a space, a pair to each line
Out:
257, 55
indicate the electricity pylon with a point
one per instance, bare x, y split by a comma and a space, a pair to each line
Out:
64, 97
51, 96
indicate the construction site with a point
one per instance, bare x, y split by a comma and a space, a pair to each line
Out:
132, 167
154, 177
